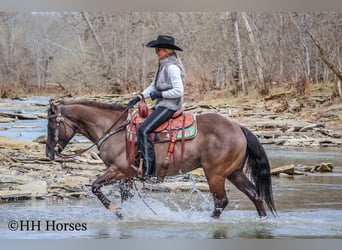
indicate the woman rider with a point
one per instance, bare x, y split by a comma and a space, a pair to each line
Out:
167, 89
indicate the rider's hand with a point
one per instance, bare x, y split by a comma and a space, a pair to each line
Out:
134, 101
155, 94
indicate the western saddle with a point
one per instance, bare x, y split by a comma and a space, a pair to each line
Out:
180, 127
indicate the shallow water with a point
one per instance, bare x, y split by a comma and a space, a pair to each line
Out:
27, 130
309, 206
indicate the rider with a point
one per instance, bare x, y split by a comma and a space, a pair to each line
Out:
168, 89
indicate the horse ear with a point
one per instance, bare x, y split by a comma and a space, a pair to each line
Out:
53, 106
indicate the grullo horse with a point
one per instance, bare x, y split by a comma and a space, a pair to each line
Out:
221, 147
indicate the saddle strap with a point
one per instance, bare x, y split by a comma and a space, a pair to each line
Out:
173, 139
170, 149
132, 146
183, 137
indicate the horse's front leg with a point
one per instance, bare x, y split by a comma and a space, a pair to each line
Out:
111, 175
125, 189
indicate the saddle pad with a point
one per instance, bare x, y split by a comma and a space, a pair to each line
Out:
189, 133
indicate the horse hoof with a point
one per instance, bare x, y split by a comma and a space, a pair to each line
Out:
118, 214
216, 214
112, 207
264, 217
116, 210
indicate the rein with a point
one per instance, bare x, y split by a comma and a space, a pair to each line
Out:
60, 119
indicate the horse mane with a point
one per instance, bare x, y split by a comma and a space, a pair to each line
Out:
100, 105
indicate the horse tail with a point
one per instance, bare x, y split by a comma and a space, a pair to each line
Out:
259, 168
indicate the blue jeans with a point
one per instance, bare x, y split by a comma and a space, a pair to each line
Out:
158, 116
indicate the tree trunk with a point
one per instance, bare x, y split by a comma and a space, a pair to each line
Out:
307, 87
143, 59
238, 51
98, 42
333, 67
338, 89
258, 57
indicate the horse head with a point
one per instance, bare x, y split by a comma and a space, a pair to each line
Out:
60, 130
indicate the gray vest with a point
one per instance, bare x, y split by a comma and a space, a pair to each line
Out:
163, 82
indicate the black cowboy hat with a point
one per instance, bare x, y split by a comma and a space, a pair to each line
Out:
163, 41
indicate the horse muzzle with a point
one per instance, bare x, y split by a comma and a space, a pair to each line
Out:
50, 154
57, 150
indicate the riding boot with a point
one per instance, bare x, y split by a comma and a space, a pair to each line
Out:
159, 115
149, 167
149, 156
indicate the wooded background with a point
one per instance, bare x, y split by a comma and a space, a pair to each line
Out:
232, 51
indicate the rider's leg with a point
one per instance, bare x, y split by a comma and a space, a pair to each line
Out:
159, 115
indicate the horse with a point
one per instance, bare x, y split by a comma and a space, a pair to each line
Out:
222, 147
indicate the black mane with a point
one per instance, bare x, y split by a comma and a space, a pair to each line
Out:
101, 105
92, 103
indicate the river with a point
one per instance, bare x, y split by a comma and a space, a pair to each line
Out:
309, 206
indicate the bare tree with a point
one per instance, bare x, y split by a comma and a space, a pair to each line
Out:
240, 72
258, 57
331, 65
98, 42
221, 50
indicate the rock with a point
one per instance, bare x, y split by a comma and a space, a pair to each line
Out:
19, 116
95, 156
14, 195
324, 167
285, 169
74, 181
279, 142
94, 162
41, 139
286, 175
15, 144
329, 133
37, 188
311, 127
185, 186
198, 171
15, 179
55, 186
6, 119
293, 129
42, 115
79, 195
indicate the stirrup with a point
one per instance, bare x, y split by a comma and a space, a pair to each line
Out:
134, 167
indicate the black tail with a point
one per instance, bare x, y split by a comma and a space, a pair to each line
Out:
259, 168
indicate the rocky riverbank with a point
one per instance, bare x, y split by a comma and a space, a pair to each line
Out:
27, 173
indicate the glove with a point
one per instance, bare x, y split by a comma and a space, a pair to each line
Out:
155, 94
134, 101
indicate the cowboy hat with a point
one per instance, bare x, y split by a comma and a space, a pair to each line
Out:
163, 41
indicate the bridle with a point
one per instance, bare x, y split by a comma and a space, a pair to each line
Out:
60, 119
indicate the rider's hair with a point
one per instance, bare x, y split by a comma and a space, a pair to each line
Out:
173, 52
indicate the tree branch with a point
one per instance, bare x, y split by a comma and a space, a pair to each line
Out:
325, 59
96, 38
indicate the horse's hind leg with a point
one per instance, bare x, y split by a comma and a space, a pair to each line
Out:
110, 176
240, 180
216, 185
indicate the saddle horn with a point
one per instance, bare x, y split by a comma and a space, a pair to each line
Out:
143, 108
